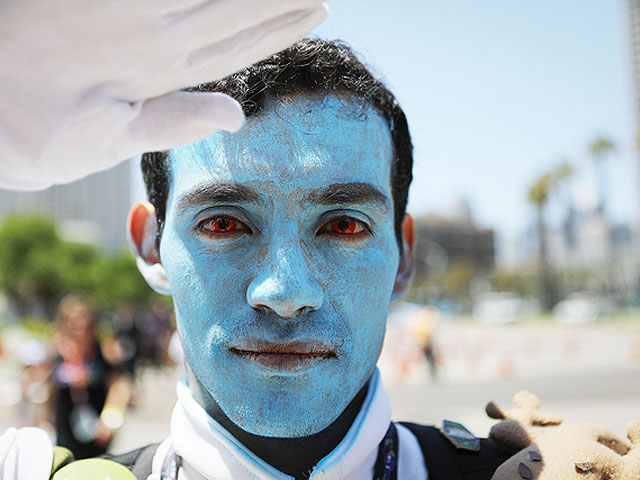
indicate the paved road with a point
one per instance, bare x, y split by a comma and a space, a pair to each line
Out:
611, 397
579, 372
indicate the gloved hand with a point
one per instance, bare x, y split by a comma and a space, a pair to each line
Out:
85, 84
25, 454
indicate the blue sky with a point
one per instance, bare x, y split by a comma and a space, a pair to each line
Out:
499, 91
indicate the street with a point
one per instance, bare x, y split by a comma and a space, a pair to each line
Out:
611, 398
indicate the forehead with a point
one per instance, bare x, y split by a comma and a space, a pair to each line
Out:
304, 143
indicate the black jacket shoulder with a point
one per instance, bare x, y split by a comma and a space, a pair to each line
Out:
446, 462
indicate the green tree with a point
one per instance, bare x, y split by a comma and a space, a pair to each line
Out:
521, 282
457, 279
37, 268
116, 279
28, 269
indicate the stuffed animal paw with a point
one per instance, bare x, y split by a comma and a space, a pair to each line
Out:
547, 450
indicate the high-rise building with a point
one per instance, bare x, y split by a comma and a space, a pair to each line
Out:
91, 210
634, 36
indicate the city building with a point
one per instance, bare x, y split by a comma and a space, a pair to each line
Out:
634, 37
91, 210
441, 242
454, 259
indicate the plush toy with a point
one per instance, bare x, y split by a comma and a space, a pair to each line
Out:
580, 451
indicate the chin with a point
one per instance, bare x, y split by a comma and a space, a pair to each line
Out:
287, 412
291, 424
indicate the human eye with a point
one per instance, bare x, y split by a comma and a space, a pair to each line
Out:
345, 228
221, 226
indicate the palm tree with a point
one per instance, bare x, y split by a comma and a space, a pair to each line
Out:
600, 150
539, 195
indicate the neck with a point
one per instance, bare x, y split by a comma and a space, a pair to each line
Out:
293, 456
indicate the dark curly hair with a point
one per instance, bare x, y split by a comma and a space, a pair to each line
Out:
308, 66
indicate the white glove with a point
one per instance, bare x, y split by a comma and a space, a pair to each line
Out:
25, 454
85, 84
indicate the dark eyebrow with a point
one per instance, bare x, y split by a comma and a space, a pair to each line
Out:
347, 193
223, 192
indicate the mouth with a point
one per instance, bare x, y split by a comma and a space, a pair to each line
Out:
288, 356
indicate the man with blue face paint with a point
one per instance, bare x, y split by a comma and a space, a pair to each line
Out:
281, 249
283, 246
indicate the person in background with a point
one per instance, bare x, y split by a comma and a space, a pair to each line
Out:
90, 389
423, 323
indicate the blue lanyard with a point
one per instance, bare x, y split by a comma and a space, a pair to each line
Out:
386, 467
170, 466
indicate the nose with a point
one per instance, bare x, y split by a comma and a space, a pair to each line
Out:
285, 284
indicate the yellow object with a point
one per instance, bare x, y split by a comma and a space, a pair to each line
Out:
61, 456
422, 325
112, 416
94, 469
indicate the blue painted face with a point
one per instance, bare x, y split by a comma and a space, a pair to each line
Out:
280, 250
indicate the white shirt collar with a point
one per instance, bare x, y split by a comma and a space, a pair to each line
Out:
210, 452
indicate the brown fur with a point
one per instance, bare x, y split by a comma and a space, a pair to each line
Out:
574, 451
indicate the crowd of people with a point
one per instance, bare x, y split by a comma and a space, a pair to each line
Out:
81, 383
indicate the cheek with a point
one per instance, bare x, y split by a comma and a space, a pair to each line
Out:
359, 285
191, 276
208, 288
195, 272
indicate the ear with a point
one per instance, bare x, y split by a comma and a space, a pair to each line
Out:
141, 232
405, 269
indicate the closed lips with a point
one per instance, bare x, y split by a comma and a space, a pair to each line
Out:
294, 355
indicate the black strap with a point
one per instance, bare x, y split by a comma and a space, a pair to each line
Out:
138, 461
446, 462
